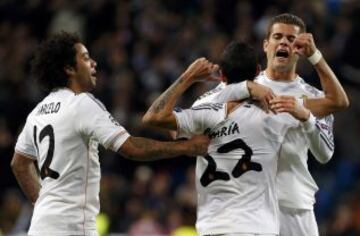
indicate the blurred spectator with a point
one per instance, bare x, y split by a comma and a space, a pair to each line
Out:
141, 46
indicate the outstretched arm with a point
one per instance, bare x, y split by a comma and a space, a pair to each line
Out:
25, 173
160, 113
335, 97
246, 89
144, 149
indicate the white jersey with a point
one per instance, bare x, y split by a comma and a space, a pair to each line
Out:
62, 134
296, 187
211, 95
236, 180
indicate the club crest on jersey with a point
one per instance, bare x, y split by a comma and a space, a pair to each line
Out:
303, 97
233, 128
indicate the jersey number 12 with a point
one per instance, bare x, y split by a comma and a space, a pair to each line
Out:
45, 170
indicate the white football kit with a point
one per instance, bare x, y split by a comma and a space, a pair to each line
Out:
295, 186
236, 180
62, 134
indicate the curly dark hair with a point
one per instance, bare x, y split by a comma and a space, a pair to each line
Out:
238, 62
286, 18
52, 56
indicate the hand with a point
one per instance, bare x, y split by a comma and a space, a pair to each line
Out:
304, 45
291, 105
198, 145
261, 93
201, 69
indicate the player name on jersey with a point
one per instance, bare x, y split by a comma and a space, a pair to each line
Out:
222, 131
49, 108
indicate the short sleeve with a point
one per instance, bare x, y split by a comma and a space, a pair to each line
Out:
198, 119
25, 142
94, 120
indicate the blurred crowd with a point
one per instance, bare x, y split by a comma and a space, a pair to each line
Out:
141, 47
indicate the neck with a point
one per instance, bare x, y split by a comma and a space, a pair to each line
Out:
286, 76
75, 87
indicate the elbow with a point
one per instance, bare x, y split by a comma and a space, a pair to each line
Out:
341, 104
14, 165
154, 120
345, 103
325, 158
150, 119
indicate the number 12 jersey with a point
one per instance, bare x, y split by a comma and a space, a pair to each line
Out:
62, 134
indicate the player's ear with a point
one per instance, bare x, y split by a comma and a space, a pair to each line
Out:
258, 69
223, 77
69, 70
265, 44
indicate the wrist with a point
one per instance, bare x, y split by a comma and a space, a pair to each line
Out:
309, 124
187, 78
305, 117
315, 57
246, 87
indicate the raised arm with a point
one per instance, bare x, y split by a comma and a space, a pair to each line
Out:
25, 173
335, 97
160, 113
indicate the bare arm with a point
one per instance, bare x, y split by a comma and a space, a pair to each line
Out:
144, 149
25, 173
335, 96
160, 112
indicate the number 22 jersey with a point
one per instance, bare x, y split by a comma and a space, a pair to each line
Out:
236, 180
62, 134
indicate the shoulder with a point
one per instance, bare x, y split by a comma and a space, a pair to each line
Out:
308, 89
209, 95
88, 100
209, 107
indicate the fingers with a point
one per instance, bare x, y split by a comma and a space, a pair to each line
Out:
202, 69
265, 102
304, 44
283, 103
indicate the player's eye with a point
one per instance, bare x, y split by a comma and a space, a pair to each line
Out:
277, 36
291, 39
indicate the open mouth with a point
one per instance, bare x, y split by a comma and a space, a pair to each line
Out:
282, 53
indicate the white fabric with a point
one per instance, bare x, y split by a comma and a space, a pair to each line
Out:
297, 222
296, 187
210, 96
315, 58
68, 204
245, 203
236, 92
242, 235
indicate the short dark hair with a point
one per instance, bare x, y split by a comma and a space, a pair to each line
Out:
238, 62
286, 18
51, 57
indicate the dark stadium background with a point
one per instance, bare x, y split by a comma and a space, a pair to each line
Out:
141, 46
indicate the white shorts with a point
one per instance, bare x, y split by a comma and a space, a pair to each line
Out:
241, 235
297, 222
